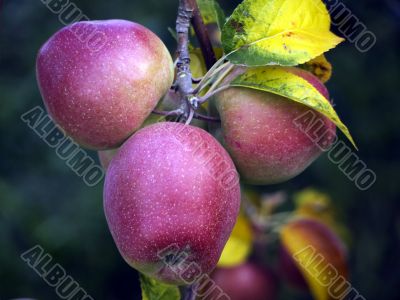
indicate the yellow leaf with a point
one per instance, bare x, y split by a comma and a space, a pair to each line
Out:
283, 81
320, 67
239, 245
197, 64
278, 32
318, 253
313, 204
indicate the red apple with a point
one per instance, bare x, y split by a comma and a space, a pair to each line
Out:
290, 272
245, 282
259, 132
171, 186
313, 257
101, 79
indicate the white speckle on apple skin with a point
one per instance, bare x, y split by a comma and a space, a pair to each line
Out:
150, 205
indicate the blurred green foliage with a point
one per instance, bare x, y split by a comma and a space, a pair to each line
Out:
43, 202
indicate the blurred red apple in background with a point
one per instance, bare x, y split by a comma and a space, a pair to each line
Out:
290, 272
318, 253
245, 282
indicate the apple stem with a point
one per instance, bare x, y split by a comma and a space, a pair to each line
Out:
179, 112
208, 78
190, 293
221, 77
211, 94
176, 112
206, 118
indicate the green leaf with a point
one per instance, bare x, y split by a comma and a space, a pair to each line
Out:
211, 12
283, 81
155, 290
278, 32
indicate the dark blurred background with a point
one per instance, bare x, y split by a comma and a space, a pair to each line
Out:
43, 202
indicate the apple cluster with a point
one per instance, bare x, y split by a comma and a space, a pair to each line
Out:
167, 183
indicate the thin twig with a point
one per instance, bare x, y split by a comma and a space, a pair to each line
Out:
202, 35
219, 65
221, 78
176, 112
191, 115
197, 80
207, 96
206, 118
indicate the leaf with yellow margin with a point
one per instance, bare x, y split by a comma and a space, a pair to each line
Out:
285, 82
320, 67
239, 245
278, 32
318, 253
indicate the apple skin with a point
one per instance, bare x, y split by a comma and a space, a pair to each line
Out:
105, 156
101, 96
160, 191
246, 281
301, 233
259, 133
289, 272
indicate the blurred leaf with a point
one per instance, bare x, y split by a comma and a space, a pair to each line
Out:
313, 204
239, 245
211, 12
155, 290
284, 82
283, 32
317, 252
320, 67
197, 63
